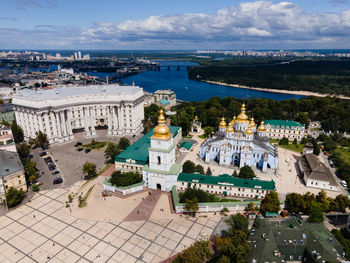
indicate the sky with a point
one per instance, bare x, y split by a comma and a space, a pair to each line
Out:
174, 24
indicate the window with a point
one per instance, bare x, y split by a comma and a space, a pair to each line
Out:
158, 160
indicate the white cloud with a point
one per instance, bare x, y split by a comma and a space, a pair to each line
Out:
260, 24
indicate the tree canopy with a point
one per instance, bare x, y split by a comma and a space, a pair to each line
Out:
14, 197
125, 179
270, 203
246, 172
89, 169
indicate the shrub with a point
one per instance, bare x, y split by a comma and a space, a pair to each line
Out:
125, 179
14, 197
35, 188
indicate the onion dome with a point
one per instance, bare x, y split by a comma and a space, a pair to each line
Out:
252, 123
242, 117
262, 127
249, 131
229, 127
233, 120
222, 123
196, 118
161, 131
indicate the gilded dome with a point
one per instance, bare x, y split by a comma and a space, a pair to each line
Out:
262, 127
252, 123
242, 117
222, 123
229, 127
233, 120
196, 118
161, 131
249, 131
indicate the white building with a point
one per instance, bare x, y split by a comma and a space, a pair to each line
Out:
162, 171
277, 129
62, 111
167, 95
7, 142
316, 174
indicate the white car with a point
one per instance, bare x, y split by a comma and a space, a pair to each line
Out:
343, 183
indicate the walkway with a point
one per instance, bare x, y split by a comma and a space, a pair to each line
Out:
144, 210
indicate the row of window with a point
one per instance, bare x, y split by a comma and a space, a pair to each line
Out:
229, 193
283, 131
227, 188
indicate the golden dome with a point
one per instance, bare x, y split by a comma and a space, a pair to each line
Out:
222, 123
196, 118
229, 128
233, 120
242, 117
249, 131
161, 131
262, 127
252, 123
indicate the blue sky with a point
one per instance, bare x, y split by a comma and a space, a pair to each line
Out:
180, 24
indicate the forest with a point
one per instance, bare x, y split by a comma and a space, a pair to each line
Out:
330, 76
333, 113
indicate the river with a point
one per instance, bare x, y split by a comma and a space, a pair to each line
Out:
191, 90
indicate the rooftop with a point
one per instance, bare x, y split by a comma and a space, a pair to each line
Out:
186, 145
71, 91
292, 239
227, 180
283, 123
9, 163
138, 151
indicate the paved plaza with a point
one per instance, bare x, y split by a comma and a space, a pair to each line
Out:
43, 231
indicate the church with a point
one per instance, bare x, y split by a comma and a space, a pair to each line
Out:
240, 143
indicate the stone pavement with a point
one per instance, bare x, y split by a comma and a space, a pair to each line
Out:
144, 210
43, 231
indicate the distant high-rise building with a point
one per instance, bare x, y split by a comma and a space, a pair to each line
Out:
75, 56
79, 55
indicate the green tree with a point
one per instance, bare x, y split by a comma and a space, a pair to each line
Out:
191, 205
17, 132
321, 198
295, 203
125, 179
188, 167
112, 150
237, 222
295, 142
151, 117
315, 213
89, 170
30, 171
342, 202
208, 172
303, 140
317, 149
283, 141
208, 131
199, 169
270, 203
23, 150
250, 206
234, 174
246, 172
35, 188
41, 139
123, 143
14, 197
196, 253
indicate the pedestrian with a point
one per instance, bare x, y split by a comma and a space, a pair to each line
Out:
53, 244
33, 216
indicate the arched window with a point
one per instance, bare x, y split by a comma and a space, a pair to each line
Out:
158, 159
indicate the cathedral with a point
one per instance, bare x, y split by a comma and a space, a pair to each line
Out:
240, 143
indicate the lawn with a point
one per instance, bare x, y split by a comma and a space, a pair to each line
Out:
94, 145
344, 154
293, 147
202, 136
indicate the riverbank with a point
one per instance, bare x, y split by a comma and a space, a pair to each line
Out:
293, 92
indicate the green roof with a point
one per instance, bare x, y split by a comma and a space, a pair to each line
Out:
138, 151
227, 180
283, 123
186, 145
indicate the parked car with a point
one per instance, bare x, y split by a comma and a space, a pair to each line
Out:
55, 172
57, 180
79, 143
42, 154
79, 149
51, 168
343, 183
87, 150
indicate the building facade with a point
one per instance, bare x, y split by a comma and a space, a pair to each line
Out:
7, 142
225, 185
62, 111
167, 95
11, 173
240, 143
315, 173
277, 129
162, 171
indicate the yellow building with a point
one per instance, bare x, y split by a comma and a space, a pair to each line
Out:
11, 173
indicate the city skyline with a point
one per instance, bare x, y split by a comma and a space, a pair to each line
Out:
157, 25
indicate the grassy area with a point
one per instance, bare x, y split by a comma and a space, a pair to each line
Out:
274, 140
188, 136
293, 147
94, 145
202, 136
82, 200
344, 154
